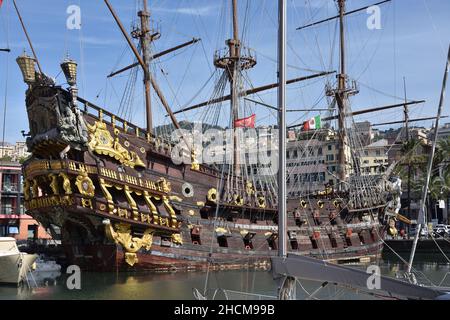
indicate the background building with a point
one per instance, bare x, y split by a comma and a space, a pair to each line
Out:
13, 152
13, 220
374, 157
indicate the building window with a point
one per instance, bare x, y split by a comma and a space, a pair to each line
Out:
319, 151
378, 152
330, 147
330, 157
32, 232
295, 154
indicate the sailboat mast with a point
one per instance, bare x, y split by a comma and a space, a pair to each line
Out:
144, 15
341, 95
282, 206
430, 166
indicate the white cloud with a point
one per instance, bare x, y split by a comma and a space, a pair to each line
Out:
201, 11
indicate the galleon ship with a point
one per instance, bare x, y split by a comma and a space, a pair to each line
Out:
110, 190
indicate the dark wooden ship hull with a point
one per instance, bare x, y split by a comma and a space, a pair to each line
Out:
120, 202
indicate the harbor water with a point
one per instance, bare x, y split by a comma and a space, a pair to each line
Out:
180, 286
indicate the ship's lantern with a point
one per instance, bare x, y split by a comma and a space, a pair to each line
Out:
27, 67
69, 67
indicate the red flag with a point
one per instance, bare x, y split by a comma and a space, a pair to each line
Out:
248, 122
1, 1
306, 126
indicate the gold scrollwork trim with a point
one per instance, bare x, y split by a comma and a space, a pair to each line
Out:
122, 235
102, 142
85, 185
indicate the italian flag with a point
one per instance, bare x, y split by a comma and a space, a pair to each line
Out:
312, 124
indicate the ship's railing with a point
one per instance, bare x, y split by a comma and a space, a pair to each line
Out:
102, 114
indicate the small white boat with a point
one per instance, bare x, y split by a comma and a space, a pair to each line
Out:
14, 265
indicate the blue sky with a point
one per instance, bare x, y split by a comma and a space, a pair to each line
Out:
413, 43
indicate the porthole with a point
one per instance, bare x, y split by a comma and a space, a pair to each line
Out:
188, 190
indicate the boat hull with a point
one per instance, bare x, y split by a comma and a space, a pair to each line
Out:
14, 267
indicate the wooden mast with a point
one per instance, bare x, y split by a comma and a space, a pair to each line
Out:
142, 63
145, 40
235, 52
233, 63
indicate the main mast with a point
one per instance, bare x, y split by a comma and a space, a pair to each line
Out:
235, 52
341, 95
233, 63
145, 40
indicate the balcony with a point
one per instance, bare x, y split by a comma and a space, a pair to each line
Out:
10, 188
10, 210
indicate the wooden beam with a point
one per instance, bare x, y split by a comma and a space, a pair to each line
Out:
409, 120
336, 17
364, 111
155, 56
253, 91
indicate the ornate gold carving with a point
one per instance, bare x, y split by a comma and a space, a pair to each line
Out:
238, 200
303, 204
26, 189
86, 203
54, 184
249, 189
171, 211
146, 218
164, 185
102, 142
132, 203
85, 185
261, 202
34, 189
107, 195
131, 245
152, 207
122, 213
176, 238
212, 195
66, 183
45, 202
175, 198
195, 165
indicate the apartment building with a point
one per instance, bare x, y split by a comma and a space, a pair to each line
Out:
13, 220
